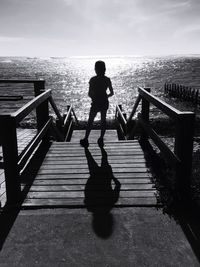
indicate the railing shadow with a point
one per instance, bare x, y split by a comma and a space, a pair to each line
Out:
101, 193
184, 212
8, 214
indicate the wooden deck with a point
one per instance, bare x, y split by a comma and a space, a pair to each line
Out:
110, 135
71, 176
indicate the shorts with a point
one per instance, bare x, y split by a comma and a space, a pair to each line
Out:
97, 107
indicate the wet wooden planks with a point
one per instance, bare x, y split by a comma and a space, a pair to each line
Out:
64, 175
24, 136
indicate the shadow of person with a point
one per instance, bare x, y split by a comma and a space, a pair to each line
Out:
101, 193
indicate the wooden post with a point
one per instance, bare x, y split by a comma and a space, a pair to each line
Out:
145, 115
184, 149
170, 89
10, 156
39, 87
196, 96
181, 92
165, 88
42, 111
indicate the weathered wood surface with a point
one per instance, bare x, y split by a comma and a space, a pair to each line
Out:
24, 136
62, 179
111, 135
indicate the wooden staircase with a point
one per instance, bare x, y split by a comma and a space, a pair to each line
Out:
70, 175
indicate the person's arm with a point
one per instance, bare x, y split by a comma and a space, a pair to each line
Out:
110, 89
91, 91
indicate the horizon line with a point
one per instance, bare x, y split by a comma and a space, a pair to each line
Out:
101, 56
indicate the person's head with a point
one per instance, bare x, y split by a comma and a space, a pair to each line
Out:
100, 67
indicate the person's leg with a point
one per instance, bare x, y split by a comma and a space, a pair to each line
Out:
92, 115
84, 141
103, 123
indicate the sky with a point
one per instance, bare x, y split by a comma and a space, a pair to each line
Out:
99, 27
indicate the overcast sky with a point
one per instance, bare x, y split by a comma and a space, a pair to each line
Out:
99, 27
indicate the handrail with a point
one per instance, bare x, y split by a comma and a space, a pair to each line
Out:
23, 157
21, 113
74, 114
15, 164
53, 104
67, 116
181, 158
121, 115
138, 99
163, 106
172, 158
122, 123
68, 123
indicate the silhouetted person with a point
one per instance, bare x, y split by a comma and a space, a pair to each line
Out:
98, 86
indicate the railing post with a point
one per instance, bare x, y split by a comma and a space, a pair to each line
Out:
145, 115
42, 110
183, 149
10, 156
39, 86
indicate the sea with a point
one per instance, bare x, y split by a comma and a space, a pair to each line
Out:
68, 78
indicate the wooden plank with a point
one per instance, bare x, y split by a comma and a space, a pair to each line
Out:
44, 170
84, 162
95, 145
91, 150
85, 166
83, 181
120, 142
96, 151
97, 187
98, 194
110, 134
96, 156
109, 153
150, 201
80, 161
86, 175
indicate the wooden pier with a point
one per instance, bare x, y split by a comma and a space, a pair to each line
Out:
47, 167
62, 178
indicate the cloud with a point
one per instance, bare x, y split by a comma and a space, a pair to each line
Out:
6, 39
133, 26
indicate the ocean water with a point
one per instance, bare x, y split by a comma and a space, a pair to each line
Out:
68, 77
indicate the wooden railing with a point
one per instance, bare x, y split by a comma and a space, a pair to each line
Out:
13, 163
120, 118
181, 158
